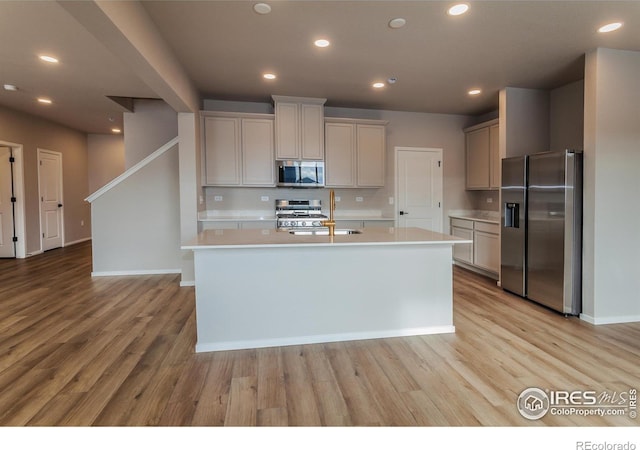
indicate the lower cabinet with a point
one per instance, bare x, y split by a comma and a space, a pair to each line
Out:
462, 229
486, 246
484, 253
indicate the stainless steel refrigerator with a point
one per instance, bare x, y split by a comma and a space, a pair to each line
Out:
541, 231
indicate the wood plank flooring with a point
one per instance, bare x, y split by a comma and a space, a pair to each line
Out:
120, 351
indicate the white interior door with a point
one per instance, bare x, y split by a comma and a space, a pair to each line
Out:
50, 184
7, 246
419, 187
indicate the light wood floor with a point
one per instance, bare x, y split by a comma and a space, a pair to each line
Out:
120, 351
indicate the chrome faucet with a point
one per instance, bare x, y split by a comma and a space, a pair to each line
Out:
331, 223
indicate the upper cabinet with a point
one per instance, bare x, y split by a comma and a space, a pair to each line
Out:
483, 156
299, 128
238, 149
355, 153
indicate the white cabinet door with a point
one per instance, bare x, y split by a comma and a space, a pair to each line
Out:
287, 130
486, 251
299, 128
463, 252
312, 131
370, 142
222, 151
478, 159
494, 157
340, 140
354, 154
258, 168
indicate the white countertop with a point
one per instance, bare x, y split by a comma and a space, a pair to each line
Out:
211, 239
478, 216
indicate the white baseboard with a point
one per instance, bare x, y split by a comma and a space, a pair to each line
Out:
187, 283
37, 252
120, 273
66, 244
317, 339
609, 320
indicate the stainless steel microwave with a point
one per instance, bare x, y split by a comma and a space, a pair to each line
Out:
301, 174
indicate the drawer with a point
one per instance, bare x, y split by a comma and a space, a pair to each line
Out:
488, 227
461, 223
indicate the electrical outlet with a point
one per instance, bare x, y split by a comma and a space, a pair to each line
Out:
217, 198
264, 198
82, 223
200, 199
359, 199
391, 200
338, 198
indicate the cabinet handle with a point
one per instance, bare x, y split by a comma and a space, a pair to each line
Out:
404, 213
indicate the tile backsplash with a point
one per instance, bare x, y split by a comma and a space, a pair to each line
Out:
263, 199
485, 200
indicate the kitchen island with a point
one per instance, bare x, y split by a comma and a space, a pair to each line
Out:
264, 288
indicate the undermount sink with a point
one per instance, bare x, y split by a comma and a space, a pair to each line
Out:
324, 232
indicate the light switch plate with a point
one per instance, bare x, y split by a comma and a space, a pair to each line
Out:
217, 198
359, 199
264, 198
337, 198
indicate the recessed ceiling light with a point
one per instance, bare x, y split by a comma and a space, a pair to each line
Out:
46, 101
458, 9
262, 8
322, 43
10, 87
610, 27
116, 130
378, 85
474, 92
269, 76
398, 22
48, 58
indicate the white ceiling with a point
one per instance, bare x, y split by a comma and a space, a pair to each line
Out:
224, 46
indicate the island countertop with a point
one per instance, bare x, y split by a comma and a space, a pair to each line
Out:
210, 239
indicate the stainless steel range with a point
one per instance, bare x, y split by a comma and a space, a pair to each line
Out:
294, 214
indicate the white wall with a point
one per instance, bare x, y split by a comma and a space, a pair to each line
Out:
106, 159
611, 231
524, 121
32, 133
566, 121
190, 188
136, 224
152, 124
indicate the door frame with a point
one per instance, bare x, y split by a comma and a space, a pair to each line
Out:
40, 152
18, 190
439, 152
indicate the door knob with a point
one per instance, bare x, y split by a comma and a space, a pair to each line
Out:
59, 205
